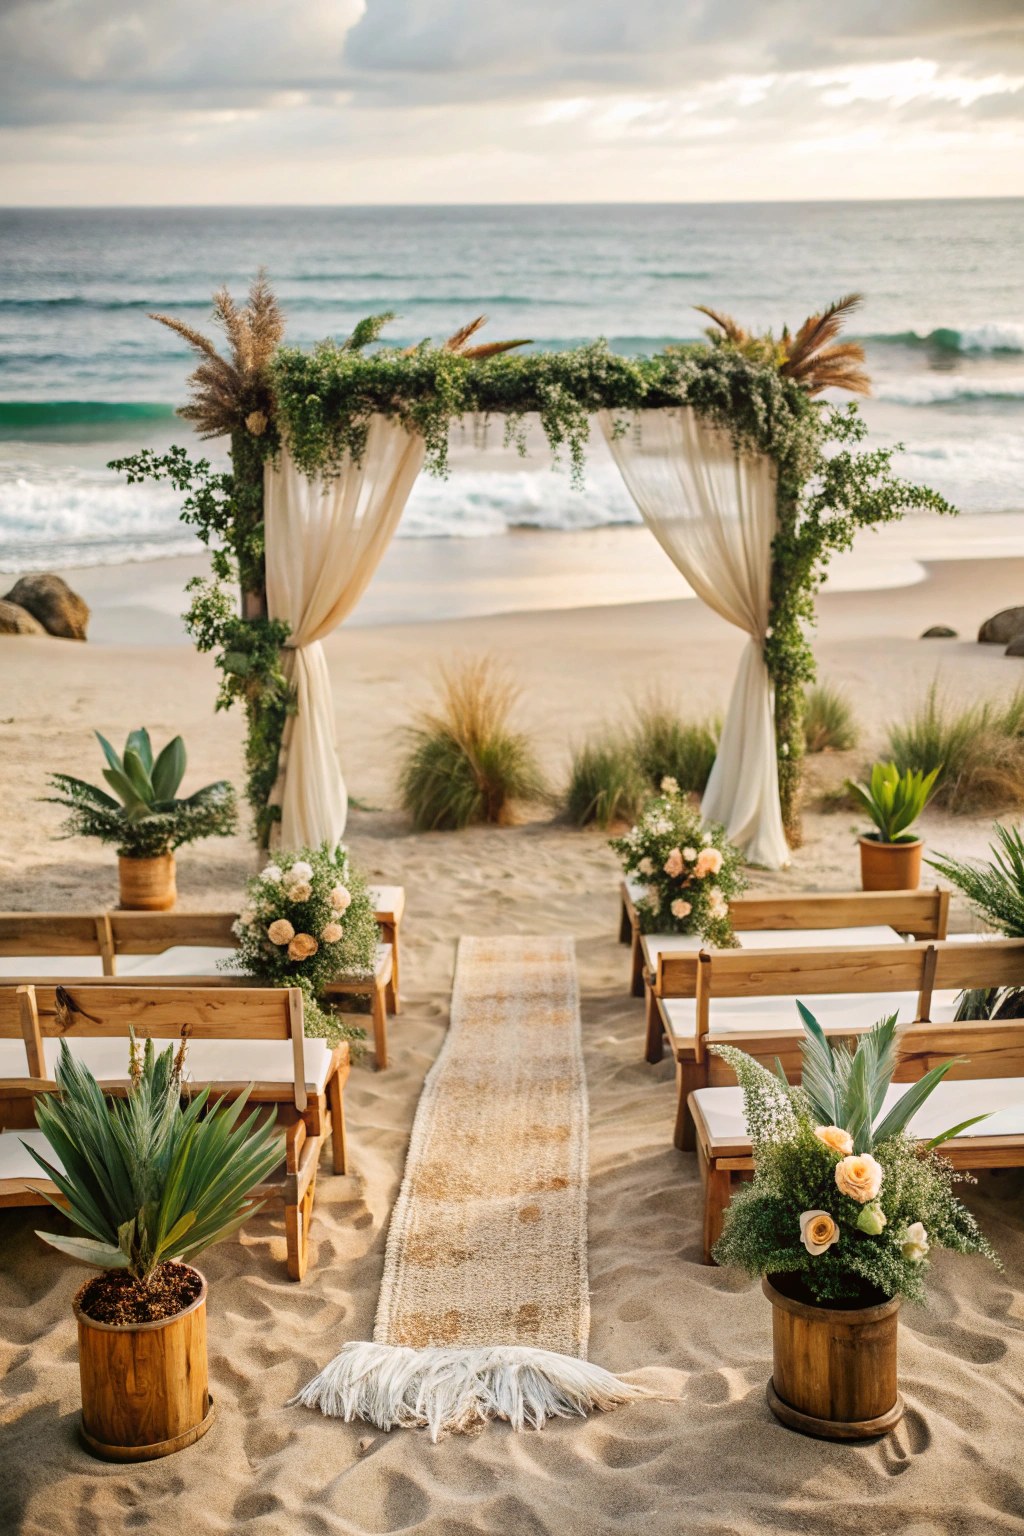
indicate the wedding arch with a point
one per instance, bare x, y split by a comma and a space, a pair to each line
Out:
748, 482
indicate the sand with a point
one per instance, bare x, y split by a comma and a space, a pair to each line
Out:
712, 1461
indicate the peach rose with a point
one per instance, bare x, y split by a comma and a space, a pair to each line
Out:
818, 1231
835, 1139
674, 863
281, 931
302, 946
332, 933
709, 862
340, 898
681, 908
859, 1177
300, 892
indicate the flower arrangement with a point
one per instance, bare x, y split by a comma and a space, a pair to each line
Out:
308, 918
841, 1195
691, 873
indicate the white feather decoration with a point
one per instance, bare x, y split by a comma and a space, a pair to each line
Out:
453, 1390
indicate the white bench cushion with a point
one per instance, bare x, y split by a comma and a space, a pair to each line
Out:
1000, 1097
15, 1162
53, 965
836, 1012
208, 1061
775, 938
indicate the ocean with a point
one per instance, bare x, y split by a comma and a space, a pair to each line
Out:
85, 376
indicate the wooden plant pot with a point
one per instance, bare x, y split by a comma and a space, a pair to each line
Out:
148, 885
144, 1385
833, 1370
890, 866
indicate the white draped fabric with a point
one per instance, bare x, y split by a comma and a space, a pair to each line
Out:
713, 513
325, 537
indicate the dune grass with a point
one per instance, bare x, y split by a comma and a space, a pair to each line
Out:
829, 724
978, 747
465, 762
605, 784
663, 744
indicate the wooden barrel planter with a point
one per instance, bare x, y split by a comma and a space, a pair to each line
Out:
148, 885
145, 1387
833, 1369
890, 866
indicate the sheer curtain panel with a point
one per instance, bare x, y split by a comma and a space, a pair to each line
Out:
325, 537
713, 512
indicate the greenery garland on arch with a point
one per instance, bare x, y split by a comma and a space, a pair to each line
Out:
759, 389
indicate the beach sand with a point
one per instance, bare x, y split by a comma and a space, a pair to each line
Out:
713, 1461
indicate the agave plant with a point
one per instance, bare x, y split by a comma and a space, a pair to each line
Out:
147, 1178
893, 800
847, 1088
145, 819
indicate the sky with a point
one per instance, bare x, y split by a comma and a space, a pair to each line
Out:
120, 102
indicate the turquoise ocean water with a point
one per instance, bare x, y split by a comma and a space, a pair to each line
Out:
85, 375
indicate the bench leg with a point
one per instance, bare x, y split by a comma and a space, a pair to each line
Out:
380, 1026
654, 1047
338, 1141
690, 1075
625, 925
636, 982
296, 1226
717, 1194
389, 935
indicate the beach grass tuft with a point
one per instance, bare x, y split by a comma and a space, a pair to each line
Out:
979, 748
665, 745
605, 783
829, 724
465, 762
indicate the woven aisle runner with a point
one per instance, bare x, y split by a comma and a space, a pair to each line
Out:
484, 1309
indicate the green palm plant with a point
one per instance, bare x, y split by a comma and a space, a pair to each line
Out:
146, 819
996, 891
847, 1088
147, 1178
893, 800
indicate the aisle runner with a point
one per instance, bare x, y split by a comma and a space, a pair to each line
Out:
483, 1310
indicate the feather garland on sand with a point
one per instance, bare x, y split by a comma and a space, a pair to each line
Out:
452, 1391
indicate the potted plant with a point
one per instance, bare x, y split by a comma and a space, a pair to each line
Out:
890, 858
306, 920
691, 872
152, 1181
838, 1222
145, 821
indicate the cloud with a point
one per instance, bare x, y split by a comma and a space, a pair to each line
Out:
440, 100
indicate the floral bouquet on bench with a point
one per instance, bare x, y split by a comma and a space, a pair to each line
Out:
307, 919
690, 872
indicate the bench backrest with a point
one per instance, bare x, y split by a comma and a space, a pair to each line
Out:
925, 914
109, 934
35, 1012
917, 967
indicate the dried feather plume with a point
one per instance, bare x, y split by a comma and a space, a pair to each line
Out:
229, 393
811, 358
454, 1391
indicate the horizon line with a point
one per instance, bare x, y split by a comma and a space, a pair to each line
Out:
739, 202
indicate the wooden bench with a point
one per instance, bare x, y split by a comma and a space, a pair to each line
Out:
904, 978
922, 914
990, 1080
236, 1035
108, 935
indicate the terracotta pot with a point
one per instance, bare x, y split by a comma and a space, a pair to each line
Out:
833, 1369
144, 1385
890, 866
148, 885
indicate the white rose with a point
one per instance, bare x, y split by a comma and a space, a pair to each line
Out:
706, 839
916, 1245
669, 785
271, 874
689, 854
645, 867
300, 873
340, 899
246, 916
